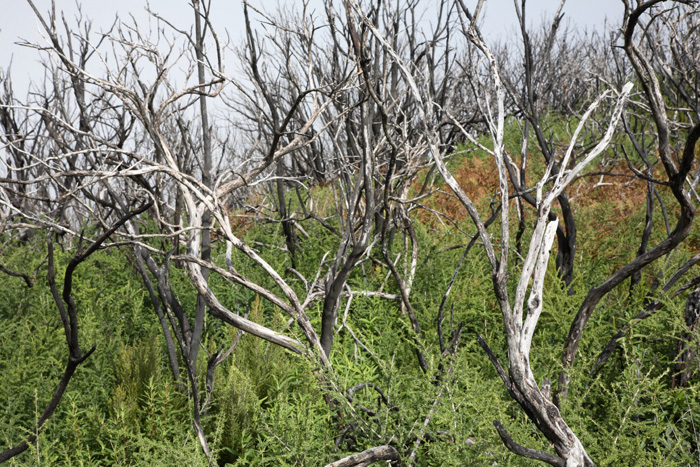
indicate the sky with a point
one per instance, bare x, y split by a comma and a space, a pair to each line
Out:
17, 21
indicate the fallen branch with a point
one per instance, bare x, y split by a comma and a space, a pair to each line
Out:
368, 457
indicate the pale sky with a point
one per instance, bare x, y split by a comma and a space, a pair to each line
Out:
17, 21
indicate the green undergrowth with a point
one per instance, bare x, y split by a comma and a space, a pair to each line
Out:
271, 407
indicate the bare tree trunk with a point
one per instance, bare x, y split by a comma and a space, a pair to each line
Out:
646, 234
164, 326
290, 237
687, 365
206, 179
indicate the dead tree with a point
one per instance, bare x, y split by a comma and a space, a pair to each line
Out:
519, 322
548, 68
677, 170
69, 319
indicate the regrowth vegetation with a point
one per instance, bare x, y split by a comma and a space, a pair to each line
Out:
383, 239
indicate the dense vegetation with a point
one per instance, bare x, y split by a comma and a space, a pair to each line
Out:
124, 409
